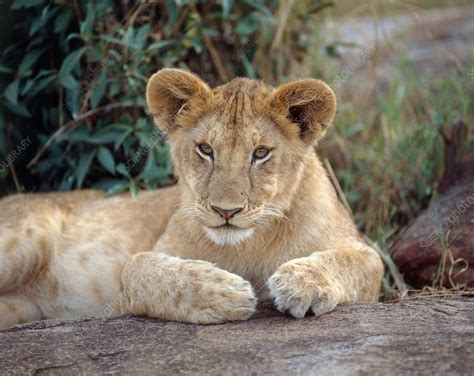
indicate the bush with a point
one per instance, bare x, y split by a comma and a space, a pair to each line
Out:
73, 76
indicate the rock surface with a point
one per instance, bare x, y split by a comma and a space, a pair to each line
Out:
424, 337
447, 226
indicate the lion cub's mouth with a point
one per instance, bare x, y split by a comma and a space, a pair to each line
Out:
228, 234
228, 226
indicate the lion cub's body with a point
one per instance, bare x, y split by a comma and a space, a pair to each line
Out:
78, 254
61, 254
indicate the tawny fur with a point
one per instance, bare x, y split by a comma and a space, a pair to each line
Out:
165, 254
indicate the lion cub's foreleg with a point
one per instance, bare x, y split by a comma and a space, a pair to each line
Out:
324, 279
158, 285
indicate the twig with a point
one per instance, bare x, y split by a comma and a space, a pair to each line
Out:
77, 10
392, 268
137, 75
15, 178
177, 27
338, 188
215, 58
60, 100
125, 6
131, 15
283, 13
74, 123
224, 76
397, 277
430, 293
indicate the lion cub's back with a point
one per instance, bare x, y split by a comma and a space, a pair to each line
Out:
82, 209
17, 207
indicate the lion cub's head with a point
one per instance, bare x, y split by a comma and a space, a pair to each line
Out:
240, 148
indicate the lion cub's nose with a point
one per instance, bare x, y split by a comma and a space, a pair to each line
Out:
226, 213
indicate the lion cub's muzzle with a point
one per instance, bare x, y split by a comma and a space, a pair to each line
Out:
226, 213
230, 226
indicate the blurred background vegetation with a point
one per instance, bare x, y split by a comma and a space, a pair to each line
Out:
77, 71
73, 76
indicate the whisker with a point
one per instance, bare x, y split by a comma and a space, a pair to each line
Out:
274, 212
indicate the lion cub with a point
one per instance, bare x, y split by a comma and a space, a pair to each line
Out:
254, 214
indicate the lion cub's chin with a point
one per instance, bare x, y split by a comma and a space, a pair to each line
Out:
228, 235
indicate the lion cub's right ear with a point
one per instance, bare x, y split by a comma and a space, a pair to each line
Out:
169, 91
309, 104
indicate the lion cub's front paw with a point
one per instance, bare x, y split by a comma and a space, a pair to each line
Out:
217, 296
191, 291
301, 284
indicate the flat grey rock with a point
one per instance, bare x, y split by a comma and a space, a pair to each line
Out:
416, 337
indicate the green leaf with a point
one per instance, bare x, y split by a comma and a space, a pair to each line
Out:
226, 7
196, 42
119, 187
114, 89
106, 159
172, 11
11, 48
29, 59
129, 37
260, 7
133, 187
212, 32
116, 126
320, 6
119, 140
141, 36
249, 71
88, 24
247, 26
83, 167
104, 137
11, 92
107, 183
73, 36
79, 135
18, 4
3, 141
63, 20
156, 46
99, 90
155, 172
71, 61
28, 85
18, 109
5, 69
123, 170
40, 22
73, 101
41, 84
69, 82
109, 39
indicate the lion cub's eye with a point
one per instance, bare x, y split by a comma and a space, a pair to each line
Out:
260, 154
205, 150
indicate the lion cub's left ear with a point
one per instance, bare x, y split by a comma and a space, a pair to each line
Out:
309, 104
169, 92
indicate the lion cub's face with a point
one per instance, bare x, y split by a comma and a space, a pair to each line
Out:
240, 148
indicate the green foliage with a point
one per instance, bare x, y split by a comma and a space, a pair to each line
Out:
73, 77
